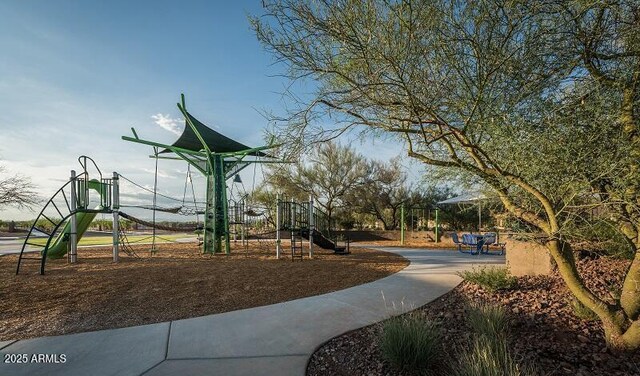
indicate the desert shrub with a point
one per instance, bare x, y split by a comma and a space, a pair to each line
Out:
489, 321
493, 279
582, 311
489, 354
489, 357
412, 344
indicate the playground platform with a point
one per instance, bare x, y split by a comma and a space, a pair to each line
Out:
275, 339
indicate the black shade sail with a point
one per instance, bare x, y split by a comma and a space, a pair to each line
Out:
217, 142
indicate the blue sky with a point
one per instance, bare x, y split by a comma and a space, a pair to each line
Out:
75, 76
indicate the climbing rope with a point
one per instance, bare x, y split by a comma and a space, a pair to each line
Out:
125, 244
183, 228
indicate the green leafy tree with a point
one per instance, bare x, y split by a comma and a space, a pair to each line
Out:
536, 100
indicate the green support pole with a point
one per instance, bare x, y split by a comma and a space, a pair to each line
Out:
225, 210
209, 216
220, 215
437, 230
402, 224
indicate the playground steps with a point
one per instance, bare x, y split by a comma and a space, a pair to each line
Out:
296, 245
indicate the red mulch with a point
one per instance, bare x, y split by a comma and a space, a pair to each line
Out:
545, 332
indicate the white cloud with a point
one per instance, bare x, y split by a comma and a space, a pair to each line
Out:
168, 123
161, 173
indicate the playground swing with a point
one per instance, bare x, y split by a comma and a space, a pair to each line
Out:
237, 207
181, 210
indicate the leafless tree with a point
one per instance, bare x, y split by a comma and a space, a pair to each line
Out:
16, 190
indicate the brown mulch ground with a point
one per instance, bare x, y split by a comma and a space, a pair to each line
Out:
545, 332
178, 282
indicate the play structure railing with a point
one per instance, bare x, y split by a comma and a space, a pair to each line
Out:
321, 221
306, 221
83, 191
236, 212
293, 215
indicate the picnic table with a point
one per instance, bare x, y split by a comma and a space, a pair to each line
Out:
477, 241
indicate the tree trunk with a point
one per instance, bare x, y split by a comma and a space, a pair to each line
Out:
621, 333
385, 226
630, 294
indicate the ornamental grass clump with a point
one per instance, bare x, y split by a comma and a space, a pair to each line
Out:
488, 321
493, 279
412, 344
489, 354
489, 357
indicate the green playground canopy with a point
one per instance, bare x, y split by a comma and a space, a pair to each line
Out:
219, 158
217, 142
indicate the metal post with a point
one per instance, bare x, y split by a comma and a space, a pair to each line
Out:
220, 215
155, 201
243, 229
278, 225
311, 226
115, 206
292, 215
402, 224
73, 231
412, 235
437, 229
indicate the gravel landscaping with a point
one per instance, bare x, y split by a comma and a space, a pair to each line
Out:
545, 332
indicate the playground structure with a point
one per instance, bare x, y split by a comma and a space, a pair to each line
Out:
306, 221
70, 211
73, 207
418, 219
218, 158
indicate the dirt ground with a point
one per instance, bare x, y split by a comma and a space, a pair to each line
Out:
177, 282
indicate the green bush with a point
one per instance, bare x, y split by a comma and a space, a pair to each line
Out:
412, 344
489, 321
493, 279
581, 311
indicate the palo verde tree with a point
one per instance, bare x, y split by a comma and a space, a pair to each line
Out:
608, 48
329, 174
500, 90
382, 193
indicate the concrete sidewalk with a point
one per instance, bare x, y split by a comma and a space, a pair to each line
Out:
270, 340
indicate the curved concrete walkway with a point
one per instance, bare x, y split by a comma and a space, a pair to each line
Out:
275, 339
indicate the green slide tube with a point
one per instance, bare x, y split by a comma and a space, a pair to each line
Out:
59, 247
